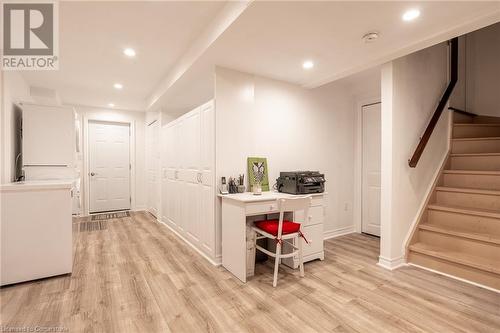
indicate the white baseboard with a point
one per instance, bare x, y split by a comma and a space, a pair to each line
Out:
338, 232
216, 262
455, 278
391, 264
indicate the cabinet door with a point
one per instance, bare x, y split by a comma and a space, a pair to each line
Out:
164, 148
207, 191
190, 136
48, 135
152, 167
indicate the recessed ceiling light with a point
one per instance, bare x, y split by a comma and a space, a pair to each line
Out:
308, 64
129, 52
111, 105
118, 86
411, 14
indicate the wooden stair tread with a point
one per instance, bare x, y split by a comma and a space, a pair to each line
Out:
467, 211
473, 154
479, 138
472, 172
458, 257
477, 124
467, 190
461, 232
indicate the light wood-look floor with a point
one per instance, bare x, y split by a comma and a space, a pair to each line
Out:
136, 276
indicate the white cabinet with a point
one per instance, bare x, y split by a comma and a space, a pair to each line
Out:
36, 239
49, 137
188, 193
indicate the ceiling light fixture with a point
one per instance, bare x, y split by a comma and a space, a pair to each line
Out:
411, 14
308, 64
370, 37
111, 105
129, 52
118, 86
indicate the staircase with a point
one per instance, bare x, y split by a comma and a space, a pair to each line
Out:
459, 233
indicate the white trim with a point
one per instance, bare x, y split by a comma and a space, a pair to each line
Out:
455, 278
358, 157
391, 264
338, 232
86, 166
216, 262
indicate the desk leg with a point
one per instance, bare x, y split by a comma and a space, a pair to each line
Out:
234, 238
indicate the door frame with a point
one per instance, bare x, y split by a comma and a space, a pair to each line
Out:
86, 159
358, 160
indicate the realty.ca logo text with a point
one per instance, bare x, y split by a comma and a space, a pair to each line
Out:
30, 35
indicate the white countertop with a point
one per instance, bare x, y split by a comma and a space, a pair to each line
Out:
265, 196
37, 185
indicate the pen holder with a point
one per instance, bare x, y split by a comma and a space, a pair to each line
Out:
257, 189
241, 188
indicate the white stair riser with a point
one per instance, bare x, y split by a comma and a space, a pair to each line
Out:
483, 163
485, 182
468, 200
465, 272
471, 131
489, 251
466, 222
475, 146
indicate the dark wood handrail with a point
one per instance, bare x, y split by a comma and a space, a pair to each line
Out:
442, 103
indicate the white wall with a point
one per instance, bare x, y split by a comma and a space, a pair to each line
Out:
14, 90
479, 75
411, 89
139, 119
295, 129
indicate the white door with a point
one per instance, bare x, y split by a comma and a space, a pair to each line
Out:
371, 169
109, 166
190, 136
173, 188
207, 162
153, 166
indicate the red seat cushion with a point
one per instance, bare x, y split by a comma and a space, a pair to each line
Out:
271, 226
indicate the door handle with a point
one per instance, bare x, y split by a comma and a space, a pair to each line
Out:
199, 177
93, 174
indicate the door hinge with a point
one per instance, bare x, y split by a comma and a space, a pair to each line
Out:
130, 166
130, 199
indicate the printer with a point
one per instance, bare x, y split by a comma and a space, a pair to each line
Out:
301, 182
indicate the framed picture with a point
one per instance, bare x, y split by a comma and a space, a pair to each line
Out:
258, 172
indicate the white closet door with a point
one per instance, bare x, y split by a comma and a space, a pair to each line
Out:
173, 183
190, 174
109, 162
371, 169
164, 149
152, 165
207, 162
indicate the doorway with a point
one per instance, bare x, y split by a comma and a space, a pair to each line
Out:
109, 166
371, 165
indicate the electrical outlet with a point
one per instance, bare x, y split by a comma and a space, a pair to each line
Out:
347, 206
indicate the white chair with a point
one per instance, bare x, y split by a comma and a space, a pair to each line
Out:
283, 231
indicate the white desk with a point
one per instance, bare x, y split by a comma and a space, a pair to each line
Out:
236, 241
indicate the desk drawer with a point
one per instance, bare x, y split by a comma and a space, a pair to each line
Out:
316, 215
261, 208
317, 201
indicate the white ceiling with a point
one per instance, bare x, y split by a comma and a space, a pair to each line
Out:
274, 38
269, 38
93, 35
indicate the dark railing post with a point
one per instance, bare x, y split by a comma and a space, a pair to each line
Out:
442, 103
